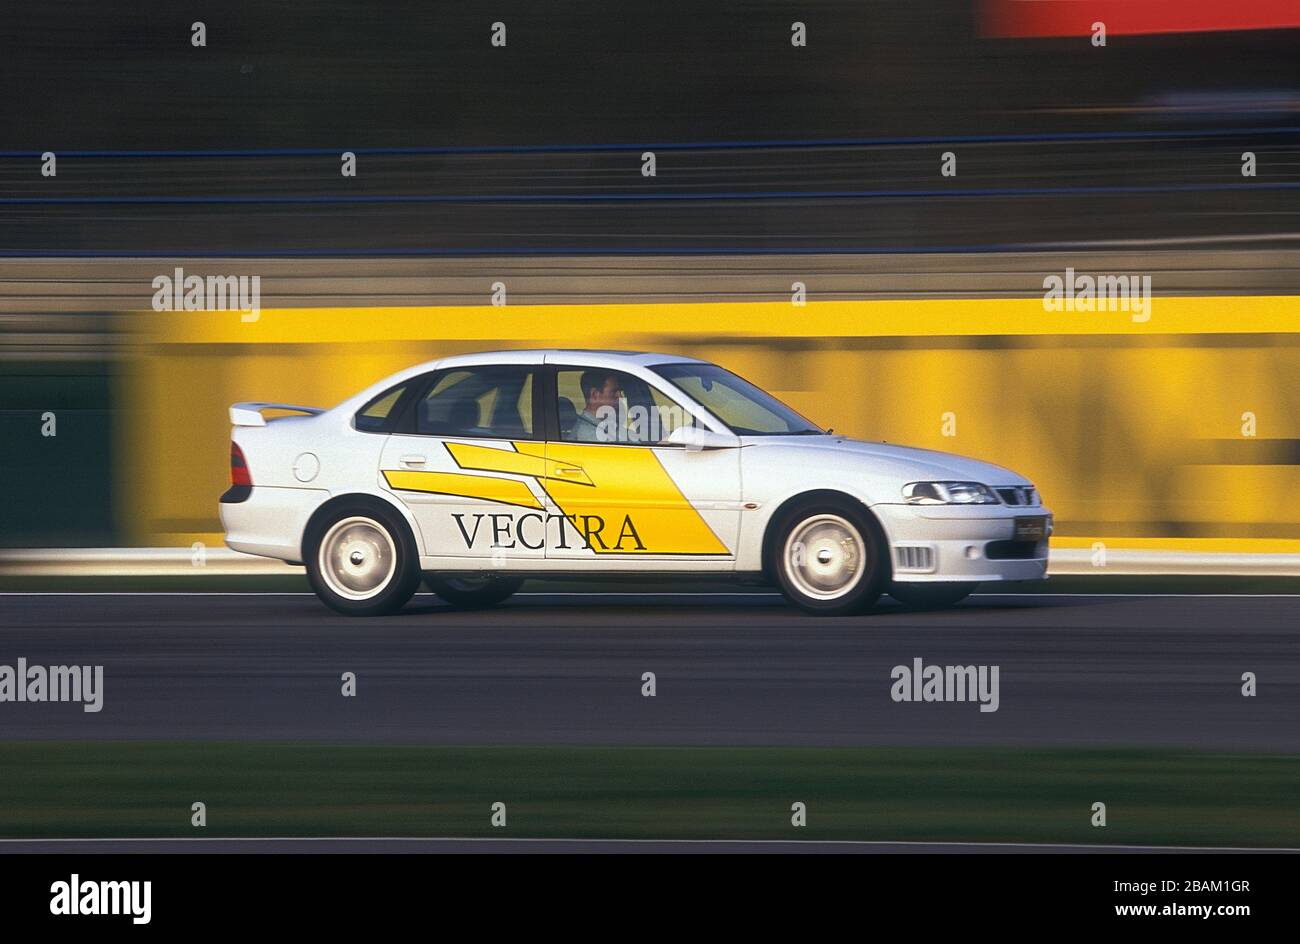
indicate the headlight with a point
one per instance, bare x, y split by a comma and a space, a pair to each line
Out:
948, 493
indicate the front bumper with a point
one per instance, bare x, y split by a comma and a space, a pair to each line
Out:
963, 543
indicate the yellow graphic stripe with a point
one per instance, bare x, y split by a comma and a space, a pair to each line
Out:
630, 490
506, 491
620, 499
529, 460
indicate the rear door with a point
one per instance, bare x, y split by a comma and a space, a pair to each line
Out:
467, 464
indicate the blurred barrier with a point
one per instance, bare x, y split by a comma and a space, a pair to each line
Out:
1179, 433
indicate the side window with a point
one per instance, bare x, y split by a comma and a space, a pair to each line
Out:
608, 406
669, 414
486, 402
732, 406
374, 417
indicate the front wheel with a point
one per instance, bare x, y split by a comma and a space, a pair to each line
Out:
829, 559
930, 596
473, 591
361, 560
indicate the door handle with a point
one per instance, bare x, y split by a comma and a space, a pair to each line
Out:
413, 460
568, 470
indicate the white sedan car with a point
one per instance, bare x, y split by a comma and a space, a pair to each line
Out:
475, 472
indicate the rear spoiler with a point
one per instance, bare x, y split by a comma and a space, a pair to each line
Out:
250, 414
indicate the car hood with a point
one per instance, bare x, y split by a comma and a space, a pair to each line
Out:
907, 462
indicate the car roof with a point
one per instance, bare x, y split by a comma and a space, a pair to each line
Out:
579, 357
585, 357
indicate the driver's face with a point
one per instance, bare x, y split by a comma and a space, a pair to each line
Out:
608, 395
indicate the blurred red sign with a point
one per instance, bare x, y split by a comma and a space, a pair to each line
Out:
1075, 17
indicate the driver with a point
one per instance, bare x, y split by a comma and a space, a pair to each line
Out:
602, 390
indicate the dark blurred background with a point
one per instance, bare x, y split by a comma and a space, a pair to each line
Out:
822, 141
332, 73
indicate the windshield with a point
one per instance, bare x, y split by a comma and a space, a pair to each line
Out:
744, 408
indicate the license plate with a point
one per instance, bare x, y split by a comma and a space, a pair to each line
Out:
1031, 529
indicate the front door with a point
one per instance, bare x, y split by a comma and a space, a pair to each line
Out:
620, 493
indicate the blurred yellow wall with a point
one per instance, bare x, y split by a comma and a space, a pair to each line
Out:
1133, 431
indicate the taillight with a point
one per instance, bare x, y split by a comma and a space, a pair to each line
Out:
238, 467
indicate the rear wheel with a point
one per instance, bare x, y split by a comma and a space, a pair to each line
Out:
475, 590
930, 596
361, 559
828, 558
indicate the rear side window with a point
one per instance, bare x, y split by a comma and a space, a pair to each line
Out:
479, 402
378, 415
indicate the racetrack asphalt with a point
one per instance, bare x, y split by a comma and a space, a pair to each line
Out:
743, 669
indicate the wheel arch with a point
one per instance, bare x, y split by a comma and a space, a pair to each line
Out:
771, 530
327, 507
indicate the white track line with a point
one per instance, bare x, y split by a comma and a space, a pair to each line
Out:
773, 842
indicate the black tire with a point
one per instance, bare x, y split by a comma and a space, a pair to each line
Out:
367, 534
473, 591
811, 586
930, 596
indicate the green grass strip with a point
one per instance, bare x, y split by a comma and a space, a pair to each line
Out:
126, 789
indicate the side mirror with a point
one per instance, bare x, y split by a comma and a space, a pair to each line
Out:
697, 437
